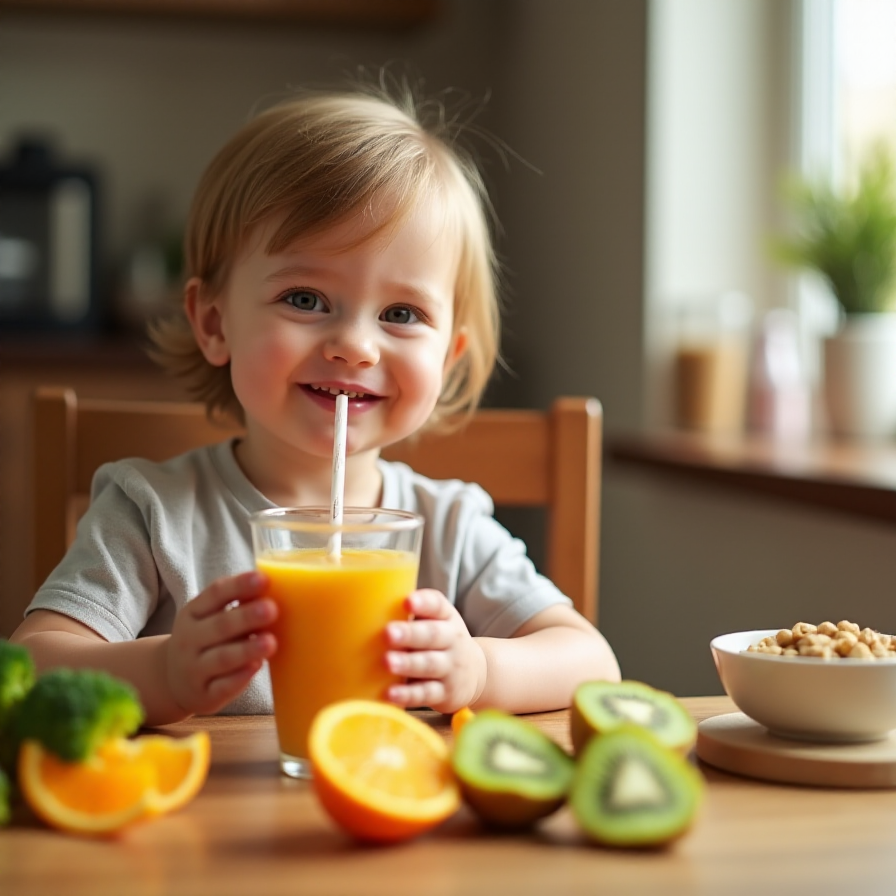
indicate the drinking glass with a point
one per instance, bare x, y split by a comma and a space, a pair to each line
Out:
336, 588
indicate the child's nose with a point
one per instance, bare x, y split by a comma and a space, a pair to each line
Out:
354, 345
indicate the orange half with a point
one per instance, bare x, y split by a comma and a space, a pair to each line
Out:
124, 782
380, 773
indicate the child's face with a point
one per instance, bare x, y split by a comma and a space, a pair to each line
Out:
374, 320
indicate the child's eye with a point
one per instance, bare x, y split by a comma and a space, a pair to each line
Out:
400, 314
304, 300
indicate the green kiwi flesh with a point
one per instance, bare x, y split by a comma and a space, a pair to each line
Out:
631, 790
602, 706
510, 772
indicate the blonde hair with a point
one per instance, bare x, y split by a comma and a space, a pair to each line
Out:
311, 163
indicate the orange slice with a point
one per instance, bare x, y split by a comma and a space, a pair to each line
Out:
181, 766
460, 718
123, 782
380, 773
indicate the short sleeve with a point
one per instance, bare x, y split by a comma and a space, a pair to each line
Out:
468, 555
499, 587
108, 578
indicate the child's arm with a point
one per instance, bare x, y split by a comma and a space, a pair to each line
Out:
535, 670
206, 661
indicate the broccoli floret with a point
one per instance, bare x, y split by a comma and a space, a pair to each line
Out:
73, 711
4, 799
6, 793
16, 679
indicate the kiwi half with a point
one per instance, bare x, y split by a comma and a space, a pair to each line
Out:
510, 773
631, 790
602, 706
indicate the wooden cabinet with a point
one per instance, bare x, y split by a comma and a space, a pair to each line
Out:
107, 368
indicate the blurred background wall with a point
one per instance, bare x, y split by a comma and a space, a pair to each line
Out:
646, 140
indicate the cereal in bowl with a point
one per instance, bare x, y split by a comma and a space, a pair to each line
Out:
845, 640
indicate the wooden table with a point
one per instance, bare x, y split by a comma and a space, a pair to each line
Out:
251, 831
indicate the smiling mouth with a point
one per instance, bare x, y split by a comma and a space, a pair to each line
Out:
333, 391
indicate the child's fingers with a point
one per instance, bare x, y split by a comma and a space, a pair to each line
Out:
235, 623
427, 603
225, 688
435, 664
435, 624
420, 634
226, 659
243, 587
423, 693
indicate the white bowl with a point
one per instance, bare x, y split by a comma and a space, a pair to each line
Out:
808, 698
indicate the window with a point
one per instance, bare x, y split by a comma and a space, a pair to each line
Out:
864, 80
846, 97
846, 85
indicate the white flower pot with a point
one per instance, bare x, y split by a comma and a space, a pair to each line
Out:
860, 377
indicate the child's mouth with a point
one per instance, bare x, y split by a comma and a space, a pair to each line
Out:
329, 393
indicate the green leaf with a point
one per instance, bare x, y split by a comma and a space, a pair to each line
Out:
848, 236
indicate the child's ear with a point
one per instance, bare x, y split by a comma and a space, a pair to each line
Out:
205, 319
458, 346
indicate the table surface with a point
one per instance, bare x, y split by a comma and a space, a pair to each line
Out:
251, 831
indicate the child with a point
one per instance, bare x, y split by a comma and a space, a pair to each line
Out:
334, 245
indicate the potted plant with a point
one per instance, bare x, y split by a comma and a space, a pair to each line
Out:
848, 236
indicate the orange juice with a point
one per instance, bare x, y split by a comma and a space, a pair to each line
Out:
331, 630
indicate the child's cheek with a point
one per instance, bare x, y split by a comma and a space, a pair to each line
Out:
428, 386
263, 360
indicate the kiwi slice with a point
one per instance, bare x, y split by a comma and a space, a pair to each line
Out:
631, 790
601, 706
510, 773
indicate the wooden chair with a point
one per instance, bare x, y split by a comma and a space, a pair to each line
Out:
523, 458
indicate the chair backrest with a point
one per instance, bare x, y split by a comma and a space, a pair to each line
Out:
523, 458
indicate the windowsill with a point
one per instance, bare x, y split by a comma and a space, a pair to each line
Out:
854, 478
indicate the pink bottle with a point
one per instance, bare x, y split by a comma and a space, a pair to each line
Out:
779, 402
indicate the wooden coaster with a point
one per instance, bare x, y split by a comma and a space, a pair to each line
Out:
737, 744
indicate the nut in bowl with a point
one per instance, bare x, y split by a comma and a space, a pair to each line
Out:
840, 700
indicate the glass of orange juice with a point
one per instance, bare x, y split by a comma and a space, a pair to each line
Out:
336, 588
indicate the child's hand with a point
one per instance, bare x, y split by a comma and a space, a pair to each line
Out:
214, 650
446, 668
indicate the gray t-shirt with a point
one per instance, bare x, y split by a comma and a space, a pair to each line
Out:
157, 534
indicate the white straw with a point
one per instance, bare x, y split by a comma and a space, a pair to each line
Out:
337, 484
